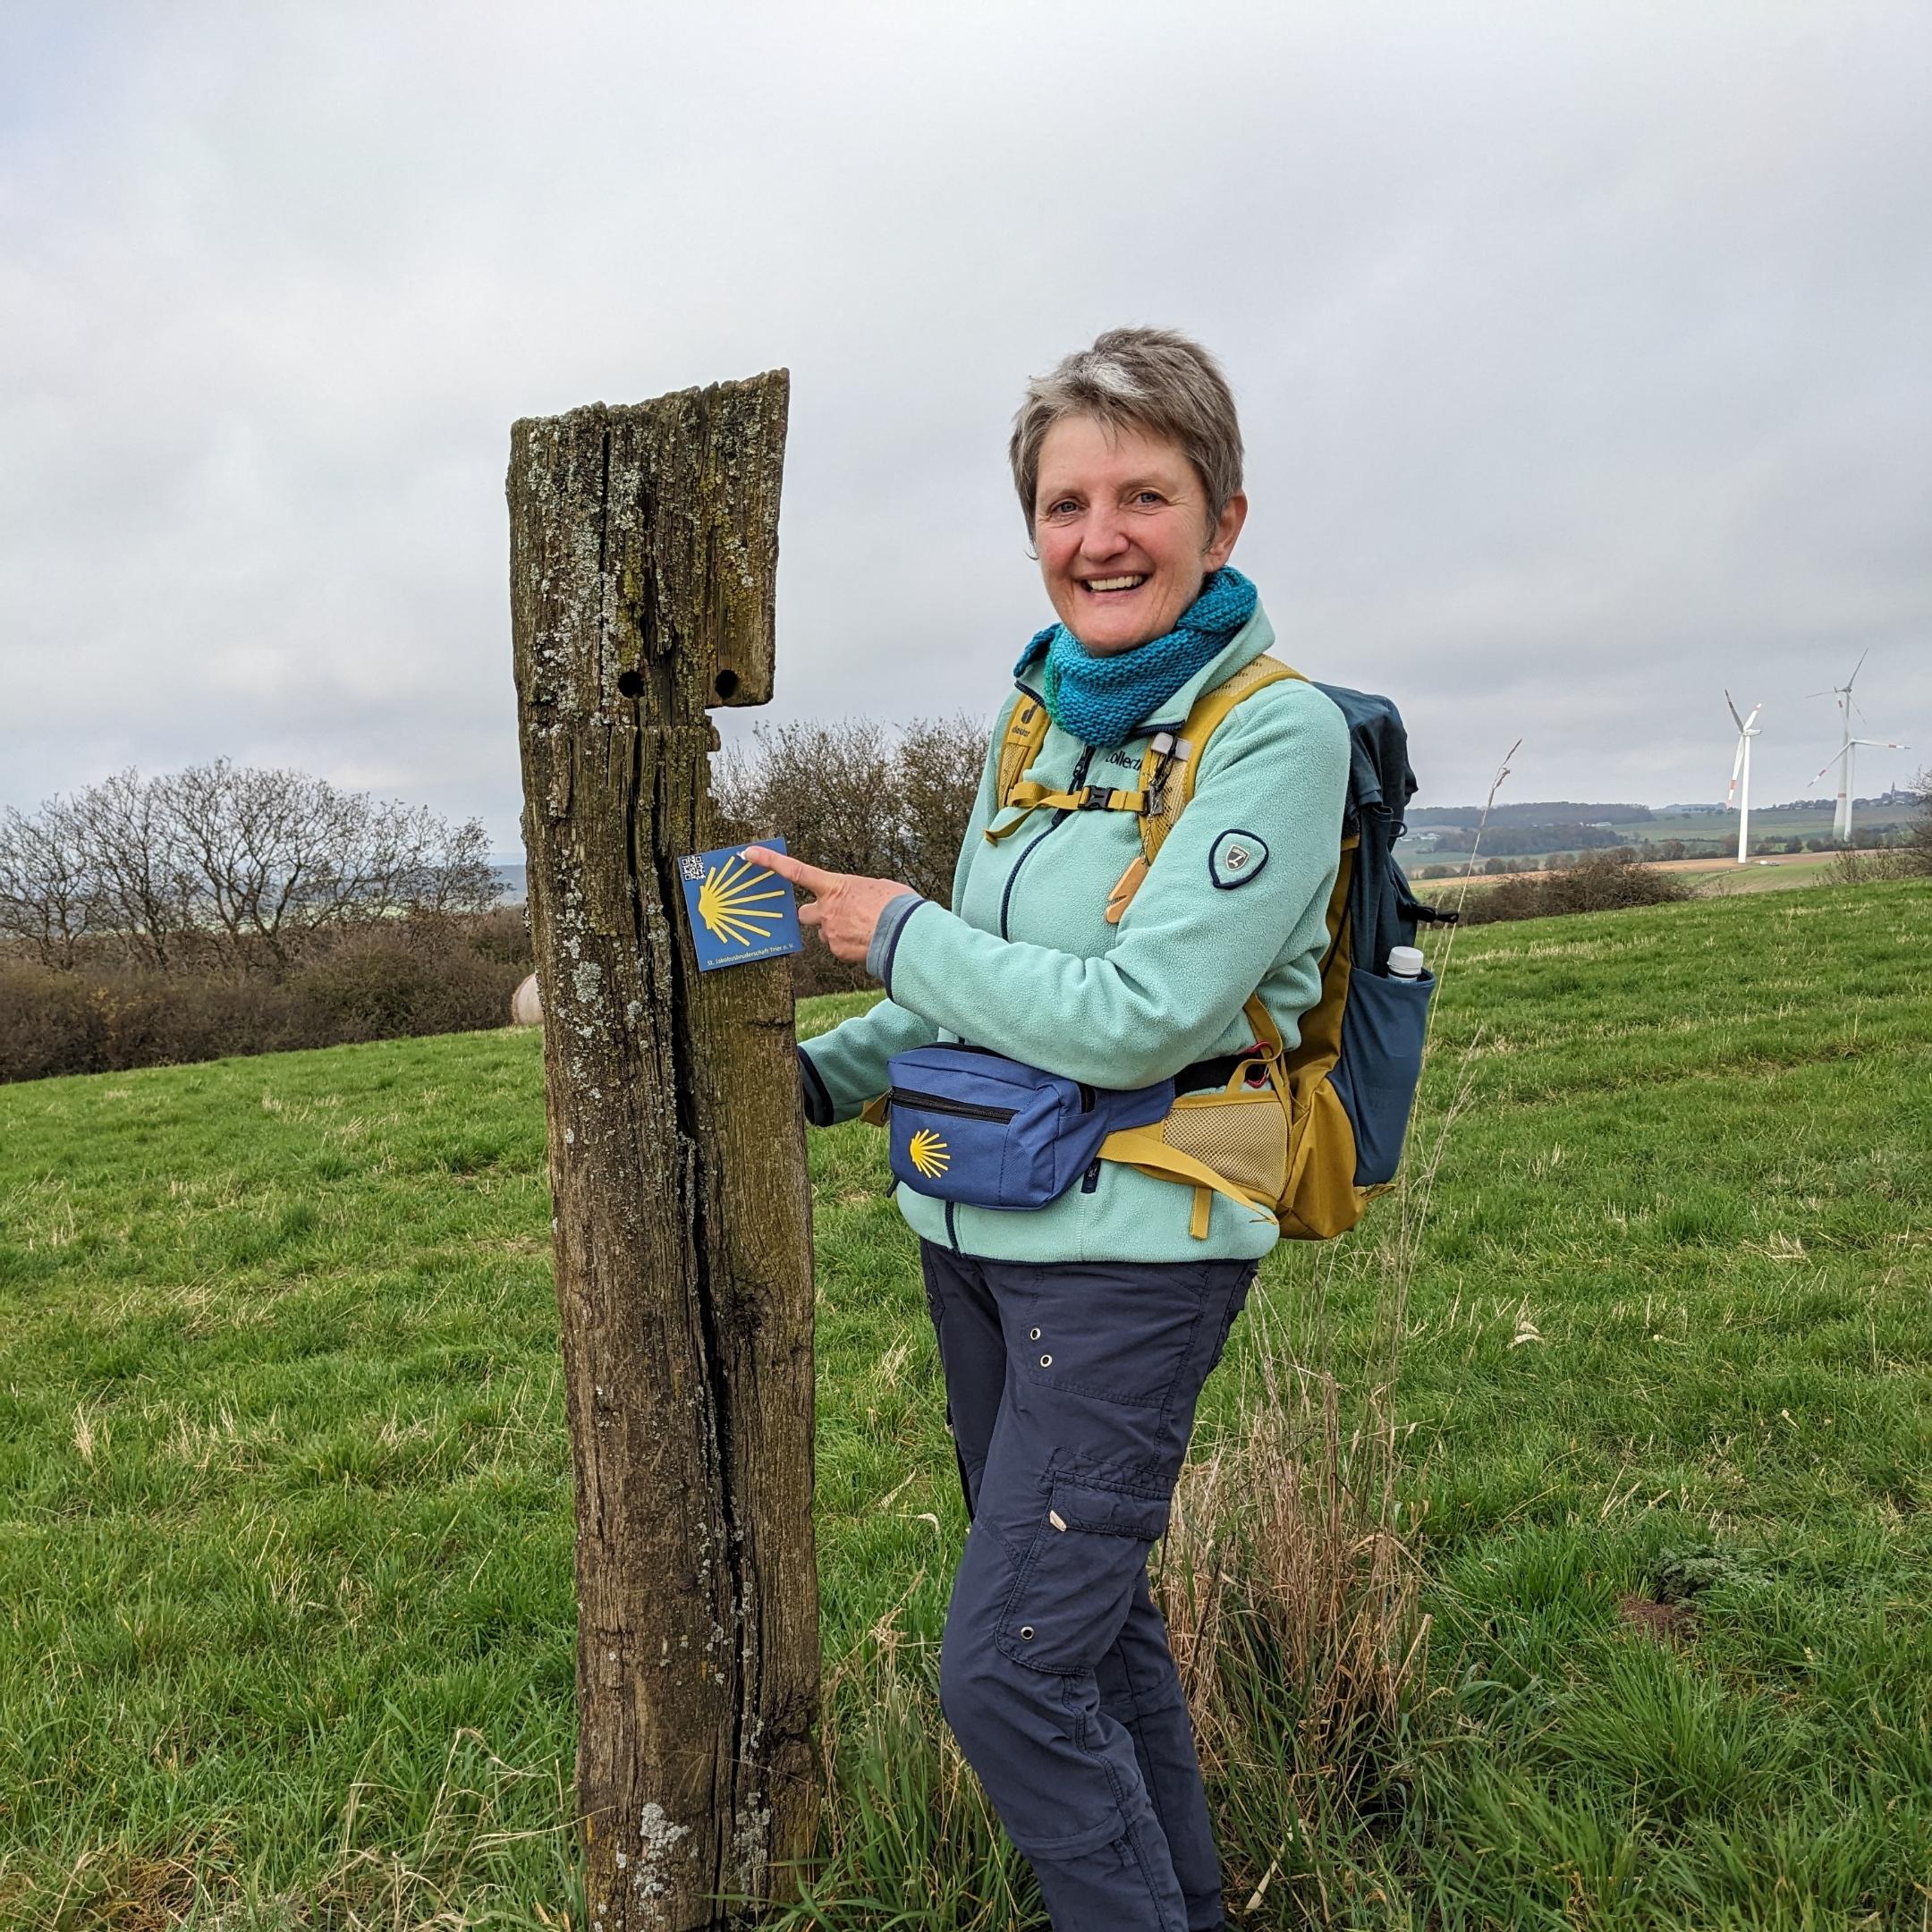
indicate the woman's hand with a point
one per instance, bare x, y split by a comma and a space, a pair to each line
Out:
845, 906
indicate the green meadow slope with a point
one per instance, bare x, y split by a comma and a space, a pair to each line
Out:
285, 1549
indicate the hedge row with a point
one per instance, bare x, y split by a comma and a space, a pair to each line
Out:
422, 974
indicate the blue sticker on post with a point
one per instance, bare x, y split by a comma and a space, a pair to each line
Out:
738, 911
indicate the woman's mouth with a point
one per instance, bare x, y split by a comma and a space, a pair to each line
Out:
1113, 586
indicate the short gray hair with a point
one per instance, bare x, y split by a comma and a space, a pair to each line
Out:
1151, 379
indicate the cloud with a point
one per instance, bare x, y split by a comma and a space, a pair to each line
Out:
1580, 354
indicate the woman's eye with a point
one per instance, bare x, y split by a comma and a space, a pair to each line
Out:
1063, 507
1147, 496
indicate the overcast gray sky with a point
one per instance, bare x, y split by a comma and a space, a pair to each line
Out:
1584, 353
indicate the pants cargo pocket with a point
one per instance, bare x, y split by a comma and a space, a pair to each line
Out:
1073, 1590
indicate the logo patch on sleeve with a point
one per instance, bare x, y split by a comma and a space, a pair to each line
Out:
1237, 857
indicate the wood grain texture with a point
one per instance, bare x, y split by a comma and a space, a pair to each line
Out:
643, 563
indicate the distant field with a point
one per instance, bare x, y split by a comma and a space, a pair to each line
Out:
1775, 874
1712, 879
285, 1547
1719, 828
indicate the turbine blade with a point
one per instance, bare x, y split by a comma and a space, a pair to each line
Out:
1735, 719
1856, 668
1750, 723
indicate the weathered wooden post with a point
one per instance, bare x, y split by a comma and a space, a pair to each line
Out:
644, 546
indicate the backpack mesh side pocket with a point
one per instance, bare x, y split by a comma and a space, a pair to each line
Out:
1241, 1135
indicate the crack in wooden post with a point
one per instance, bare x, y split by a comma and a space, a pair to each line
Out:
643, 573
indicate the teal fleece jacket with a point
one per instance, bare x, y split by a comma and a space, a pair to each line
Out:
1026, 963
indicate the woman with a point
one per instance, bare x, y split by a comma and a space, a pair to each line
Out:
1075, 1337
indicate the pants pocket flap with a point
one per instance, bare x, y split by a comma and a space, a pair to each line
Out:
1100, 1511
1072, 1591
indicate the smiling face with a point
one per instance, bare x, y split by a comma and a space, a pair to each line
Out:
1120, 519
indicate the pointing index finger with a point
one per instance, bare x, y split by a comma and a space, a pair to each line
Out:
812, 878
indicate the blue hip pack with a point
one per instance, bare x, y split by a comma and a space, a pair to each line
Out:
971, 1125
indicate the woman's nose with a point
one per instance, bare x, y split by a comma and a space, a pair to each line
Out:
1102, 535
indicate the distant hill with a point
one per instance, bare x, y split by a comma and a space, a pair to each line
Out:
1557, 811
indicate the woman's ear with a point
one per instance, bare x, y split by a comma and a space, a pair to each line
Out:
1227, 527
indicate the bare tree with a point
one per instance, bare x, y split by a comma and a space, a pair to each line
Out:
279, 857
826, 789
47, 896
227, 865
133, 855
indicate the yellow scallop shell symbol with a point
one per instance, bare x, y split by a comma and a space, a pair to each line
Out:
928, 1154
732, 907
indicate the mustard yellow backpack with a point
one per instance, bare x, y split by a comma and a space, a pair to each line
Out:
1311, 1132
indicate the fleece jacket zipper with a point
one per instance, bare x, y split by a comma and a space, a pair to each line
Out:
1074, 784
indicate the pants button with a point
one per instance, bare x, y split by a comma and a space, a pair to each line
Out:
1026, 1633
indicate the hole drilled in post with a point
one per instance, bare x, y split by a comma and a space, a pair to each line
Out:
630, 683
726, 684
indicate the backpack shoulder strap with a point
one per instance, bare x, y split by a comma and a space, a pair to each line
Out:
1020, 744
1169, 765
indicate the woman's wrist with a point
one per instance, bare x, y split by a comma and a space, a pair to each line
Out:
885, 940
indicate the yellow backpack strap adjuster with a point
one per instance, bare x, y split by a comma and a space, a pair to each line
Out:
1168, 772
1019, 745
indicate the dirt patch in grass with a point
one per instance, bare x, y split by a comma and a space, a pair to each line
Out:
1668, 1622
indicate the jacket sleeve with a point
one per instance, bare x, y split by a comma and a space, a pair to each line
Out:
1193, 945
844, 1068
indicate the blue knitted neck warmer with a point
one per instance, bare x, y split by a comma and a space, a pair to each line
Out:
1100, 700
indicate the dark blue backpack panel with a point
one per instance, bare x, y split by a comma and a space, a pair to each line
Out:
1385, 1020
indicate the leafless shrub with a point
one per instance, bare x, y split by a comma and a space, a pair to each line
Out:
1598, 882
855, 796
1916, 854
1856, 866
421, 973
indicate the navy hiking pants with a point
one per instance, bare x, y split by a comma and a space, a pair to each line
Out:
1071, 1389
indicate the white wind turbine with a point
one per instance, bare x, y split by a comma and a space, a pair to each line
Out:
1847, 790
1741, 773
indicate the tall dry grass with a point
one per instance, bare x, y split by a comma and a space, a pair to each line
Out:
1291, 1582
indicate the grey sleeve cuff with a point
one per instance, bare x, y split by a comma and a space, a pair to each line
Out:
886, 935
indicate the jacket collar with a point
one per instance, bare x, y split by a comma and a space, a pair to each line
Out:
1254, 637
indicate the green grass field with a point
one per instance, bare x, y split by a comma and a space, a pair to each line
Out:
285, 1555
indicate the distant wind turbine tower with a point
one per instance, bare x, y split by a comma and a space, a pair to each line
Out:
1741, 773
1847, 789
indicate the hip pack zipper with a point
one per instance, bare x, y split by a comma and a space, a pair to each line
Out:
939, 1104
